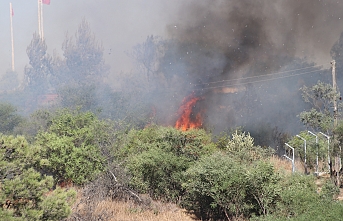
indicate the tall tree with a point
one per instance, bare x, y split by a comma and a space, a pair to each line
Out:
147, 55
84, 56
37, 74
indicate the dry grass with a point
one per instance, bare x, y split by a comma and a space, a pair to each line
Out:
128, 211
284, 165
125, 211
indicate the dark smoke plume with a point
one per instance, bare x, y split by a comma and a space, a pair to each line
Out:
226, 39
254, 36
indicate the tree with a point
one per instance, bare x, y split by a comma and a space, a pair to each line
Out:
321, 97
84, 56
147, 55
321, 117
9, 82
37, 76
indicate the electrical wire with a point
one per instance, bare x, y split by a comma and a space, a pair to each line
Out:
277, 73
258, 81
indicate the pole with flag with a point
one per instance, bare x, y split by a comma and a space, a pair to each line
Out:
40, 16
12, 39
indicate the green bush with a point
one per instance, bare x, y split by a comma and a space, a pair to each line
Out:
23, 188
263, 187
158, 173
72, 146
191, 143
156, 157
9, 119
216, 187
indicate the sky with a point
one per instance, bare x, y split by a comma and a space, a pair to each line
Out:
121, 24
118, 24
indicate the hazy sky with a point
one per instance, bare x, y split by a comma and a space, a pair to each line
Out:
121, 24
118, 24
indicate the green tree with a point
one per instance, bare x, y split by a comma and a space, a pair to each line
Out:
321, 97
321, 117
263, 187
23, 189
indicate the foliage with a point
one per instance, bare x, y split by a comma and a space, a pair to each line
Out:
264, 187
56, 205
300, 201
72, 146
157, 156
38, 74
241, 145
321, 97
84, 57
9, 81
218, 186
147, 55
329, 190
214, 187
37, 121
311, 149
297, 192
23, 188
158, 173
191, 143
9, 119
83, 96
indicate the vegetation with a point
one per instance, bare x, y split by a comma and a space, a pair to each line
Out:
113, 151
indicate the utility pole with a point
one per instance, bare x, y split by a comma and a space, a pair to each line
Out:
335, 112
12, 39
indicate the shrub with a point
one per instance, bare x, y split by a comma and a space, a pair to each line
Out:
157, 156
72, 146
23, 188
216, 187
158, 173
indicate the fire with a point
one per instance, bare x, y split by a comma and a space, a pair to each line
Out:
188, 119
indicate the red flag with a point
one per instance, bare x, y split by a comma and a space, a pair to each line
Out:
47, 2
12, 12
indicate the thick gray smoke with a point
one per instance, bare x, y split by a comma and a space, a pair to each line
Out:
257, 35
221, 40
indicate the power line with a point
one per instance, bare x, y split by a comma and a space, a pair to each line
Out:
277, 73
258, 81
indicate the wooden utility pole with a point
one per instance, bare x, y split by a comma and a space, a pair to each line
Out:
334, 86
338, 163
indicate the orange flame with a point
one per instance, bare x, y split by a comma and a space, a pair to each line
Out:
188, 119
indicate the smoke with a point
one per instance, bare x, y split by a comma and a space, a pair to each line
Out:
211, 41
224, 40
248, 34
